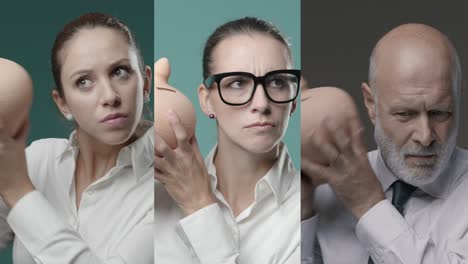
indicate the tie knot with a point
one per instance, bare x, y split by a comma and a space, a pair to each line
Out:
401, 193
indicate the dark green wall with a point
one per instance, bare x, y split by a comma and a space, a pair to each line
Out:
27, 32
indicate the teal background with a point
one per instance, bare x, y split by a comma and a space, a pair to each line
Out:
27, 32
181, 29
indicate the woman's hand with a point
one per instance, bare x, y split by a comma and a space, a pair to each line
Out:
182, 170
14, 180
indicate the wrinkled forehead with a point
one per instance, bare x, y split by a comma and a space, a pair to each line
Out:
254, 52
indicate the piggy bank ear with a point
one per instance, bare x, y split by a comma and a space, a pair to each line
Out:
162, 71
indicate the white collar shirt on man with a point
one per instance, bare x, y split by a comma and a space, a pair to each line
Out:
267, 232
434, 229
114, 222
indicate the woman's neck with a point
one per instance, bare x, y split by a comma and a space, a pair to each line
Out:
95, 158
238, 172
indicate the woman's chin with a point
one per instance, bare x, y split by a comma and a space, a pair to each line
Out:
116, 137
261, 146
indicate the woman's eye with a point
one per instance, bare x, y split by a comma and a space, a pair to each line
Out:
237, 84
121, 72
83, 82
276, 83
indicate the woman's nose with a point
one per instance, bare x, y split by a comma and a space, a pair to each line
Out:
110, 95
260, 101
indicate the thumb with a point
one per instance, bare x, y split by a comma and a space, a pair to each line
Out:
162, 71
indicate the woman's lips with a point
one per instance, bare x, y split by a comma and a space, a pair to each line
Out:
261, 126
115, 120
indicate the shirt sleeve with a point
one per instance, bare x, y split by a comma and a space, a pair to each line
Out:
51, 240
389, 239
209, 237
310, 249
6, 235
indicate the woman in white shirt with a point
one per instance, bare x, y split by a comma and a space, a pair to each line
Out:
87, 199
242, 205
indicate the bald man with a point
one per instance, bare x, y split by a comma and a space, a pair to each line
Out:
416, 213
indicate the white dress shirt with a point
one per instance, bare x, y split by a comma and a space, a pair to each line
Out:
267, 232
113, 223
433, 230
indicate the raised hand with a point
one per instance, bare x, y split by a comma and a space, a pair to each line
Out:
182, 170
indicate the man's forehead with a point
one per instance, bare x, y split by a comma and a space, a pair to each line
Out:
413, 97
415, 70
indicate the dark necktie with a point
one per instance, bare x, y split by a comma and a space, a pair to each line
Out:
401, 193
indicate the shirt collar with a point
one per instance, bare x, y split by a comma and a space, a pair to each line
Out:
279, 178
71, 148
439, 188
139, 154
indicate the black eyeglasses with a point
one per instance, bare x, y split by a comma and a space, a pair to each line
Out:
238, 88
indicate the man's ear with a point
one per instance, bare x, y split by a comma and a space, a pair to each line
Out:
369, 101
60, 102
147, 81
203, 99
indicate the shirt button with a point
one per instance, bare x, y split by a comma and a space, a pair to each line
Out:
90, 193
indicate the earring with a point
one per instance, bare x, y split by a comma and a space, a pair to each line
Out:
211, 116
69, 117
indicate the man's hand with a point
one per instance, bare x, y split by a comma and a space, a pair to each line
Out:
349, 172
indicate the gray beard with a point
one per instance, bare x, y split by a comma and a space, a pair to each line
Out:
422, 173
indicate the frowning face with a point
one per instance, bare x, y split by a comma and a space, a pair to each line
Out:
415, 125
260, 124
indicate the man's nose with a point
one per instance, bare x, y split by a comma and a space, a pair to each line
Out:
423, 131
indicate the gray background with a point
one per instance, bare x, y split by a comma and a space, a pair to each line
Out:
338, 37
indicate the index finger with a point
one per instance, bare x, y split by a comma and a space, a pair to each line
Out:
161, 148
357, 135
179, 130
